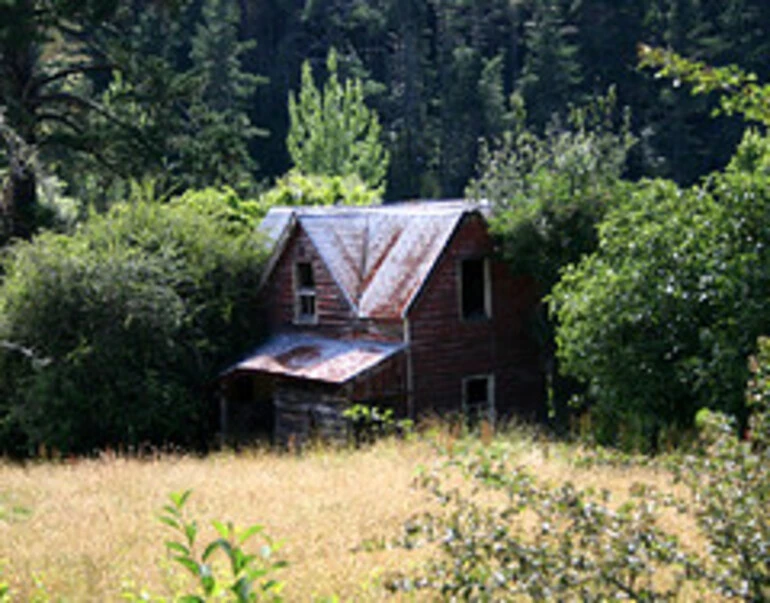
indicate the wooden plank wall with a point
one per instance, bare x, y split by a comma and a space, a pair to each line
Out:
305, 411
446, 349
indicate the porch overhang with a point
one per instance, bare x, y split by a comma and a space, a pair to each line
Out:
316, 359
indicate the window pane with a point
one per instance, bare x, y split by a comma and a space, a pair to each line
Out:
305, 278
307, 305
473, 289
476, 391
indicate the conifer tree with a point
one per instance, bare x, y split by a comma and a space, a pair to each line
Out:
216, 150
551, 72
332, 132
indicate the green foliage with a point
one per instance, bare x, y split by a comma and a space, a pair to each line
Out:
111, 335
539, 541
296, 188
41, 51
176, 107
659, 319
549, 192
5, 590
215, 150
729, 483
739, 91
368, 423
332, 131
437, 73
505, 535
250, 576
551, 71
758, 395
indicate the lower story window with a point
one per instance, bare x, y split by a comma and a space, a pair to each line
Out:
479, 398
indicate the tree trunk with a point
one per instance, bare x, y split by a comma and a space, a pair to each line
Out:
23, 202
19, 131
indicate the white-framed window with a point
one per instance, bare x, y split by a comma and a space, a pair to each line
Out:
475, 289
305, 310
479, 398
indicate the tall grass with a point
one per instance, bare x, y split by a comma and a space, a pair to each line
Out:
79, 531
87, 530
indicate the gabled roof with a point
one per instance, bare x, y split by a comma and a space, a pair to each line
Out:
316, 358
380, 256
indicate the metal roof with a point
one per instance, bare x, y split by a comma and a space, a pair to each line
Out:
380, 255
317, 358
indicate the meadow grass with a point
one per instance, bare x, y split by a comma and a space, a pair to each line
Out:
87, 530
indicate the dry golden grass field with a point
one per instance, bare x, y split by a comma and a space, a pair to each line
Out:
88, 530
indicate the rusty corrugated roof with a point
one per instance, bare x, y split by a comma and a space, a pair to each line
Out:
317, 358
381, 255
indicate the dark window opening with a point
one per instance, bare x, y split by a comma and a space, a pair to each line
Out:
305, 292
476, 391
305, 278
306, 305
478, 399
474, 289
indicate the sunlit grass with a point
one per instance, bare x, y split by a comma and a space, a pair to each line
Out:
87, 530
81, 530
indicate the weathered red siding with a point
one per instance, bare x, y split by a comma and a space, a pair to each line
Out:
384, 387
335, 316
445, 349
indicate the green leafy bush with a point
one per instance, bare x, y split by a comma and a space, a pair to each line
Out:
509, 536
368, 423
296, 188
248, 577
505, 534
729, 482
659, 320
548, 193
111, 335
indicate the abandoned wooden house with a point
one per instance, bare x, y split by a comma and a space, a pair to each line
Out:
401, 306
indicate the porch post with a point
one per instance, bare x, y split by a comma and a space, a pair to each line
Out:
223, 416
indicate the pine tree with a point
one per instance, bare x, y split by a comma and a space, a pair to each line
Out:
40, 52
216, 149
332, 132
551, 73
177, 106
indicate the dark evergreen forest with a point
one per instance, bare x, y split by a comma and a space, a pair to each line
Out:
142, 140
439, 73
195, 93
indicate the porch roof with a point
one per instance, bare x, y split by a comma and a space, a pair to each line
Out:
299, 356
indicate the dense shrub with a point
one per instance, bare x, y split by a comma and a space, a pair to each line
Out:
507, 534
296, 188
659, 320
111, 335
548, 192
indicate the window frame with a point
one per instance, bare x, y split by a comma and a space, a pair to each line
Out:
487, 276
304, 292
490, 412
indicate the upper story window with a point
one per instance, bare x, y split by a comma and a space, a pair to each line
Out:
304, 293
475, 289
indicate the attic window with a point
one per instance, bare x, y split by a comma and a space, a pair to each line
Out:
475, 293
304, 291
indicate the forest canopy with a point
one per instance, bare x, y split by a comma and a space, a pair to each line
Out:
125, 127
113, 333
195, 93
